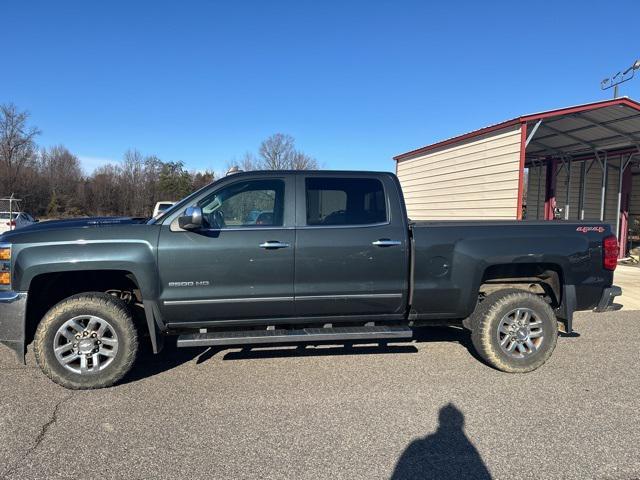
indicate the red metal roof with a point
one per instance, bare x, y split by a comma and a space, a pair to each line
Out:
624, 101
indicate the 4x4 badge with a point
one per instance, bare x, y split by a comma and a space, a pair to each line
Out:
590, 229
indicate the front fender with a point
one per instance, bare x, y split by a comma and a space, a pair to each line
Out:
135, 256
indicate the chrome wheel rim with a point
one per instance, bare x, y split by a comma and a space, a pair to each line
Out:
520, 333
85, 344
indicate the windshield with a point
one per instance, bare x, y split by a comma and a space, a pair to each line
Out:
5, 215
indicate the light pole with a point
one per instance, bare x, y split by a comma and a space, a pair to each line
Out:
619, 78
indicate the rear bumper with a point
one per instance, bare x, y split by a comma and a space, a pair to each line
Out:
13, 312
606, 301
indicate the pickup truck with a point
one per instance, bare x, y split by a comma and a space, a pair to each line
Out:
336, 260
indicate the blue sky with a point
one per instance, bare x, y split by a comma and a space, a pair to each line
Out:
354, 82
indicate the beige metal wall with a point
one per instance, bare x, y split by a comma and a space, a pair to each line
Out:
474, 179
536, 187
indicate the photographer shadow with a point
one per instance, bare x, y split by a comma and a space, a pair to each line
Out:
445, 454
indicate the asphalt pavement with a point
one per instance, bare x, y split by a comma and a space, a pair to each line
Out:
427, 409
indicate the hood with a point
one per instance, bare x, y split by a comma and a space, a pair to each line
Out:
90, 222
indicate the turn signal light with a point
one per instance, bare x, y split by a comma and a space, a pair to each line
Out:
5, 278
610, 251
5, 254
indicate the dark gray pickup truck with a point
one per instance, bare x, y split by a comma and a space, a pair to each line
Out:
293, 257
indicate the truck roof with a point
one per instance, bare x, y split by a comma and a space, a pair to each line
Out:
310, 172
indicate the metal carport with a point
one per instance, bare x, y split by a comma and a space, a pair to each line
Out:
578, 163
581, 163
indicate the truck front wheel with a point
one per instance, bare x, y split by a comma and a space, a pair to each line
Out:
514, 332
86, 341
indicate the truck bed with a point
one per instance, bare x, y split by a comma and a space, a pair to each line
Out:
453, 258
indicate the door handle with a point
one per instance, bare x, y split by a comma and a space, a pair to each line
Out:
385, 242
273, 244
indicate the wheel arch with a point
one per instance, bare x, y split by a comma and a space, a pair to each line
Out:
545, 279
48, 289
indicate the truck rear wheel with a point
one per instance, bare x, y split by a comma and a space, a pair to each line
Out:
515, 332
86, 341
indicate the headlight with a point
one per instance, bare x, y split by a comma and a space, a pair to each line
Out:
5, 265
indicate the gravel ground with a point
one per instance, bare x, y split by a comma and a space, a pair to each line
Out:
423, 410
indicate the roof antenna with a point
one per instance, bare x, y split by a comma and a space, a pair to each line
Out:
234, 169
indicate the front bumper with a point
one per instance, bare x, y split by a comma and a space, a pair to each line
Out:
606, 301
13, 317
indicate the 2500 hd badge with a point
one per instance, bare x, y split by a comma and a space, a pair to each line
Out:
201, 283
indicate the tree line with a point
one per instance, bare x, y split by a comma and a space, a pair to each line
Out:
50, 181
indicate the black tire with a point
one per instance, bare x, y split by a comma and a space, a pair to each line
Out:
481, 308
486, 337
120, 322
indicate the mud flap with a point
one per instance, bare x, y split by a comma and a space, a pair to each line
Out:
567, 307
154, 324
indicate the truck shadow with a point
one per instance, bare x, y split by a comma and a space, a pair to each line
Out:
172, 357
445, 454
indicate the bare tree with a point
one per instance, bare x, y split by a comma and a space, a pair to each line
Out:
51, 181
276, 152
62, 175
247, 163
201, 179
17, 145
105, 196
152, 170
302, 161
132, 178
61, 169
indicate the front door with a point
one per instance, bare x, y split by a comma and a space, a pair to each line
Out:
351, 246
239, 265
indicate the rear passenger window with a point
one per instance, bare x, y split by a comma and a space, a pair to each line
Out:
345, 201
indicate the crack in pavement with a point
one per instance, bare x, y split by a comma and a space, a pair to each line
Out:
53, 418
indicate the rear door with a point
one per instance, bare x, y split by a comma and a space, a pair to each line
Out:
352, 254
239, 265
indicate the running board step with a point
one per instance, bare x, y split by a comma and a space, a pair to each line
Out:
293, 336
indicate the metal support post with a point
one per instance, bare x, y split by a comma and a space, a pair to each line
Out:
603, 165
583, 176
620, 177
539, 188
566, 203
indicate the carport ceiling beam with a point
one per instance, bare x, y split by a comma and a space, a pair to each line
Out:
588, 127
550, 150
593, 122
533, 132
572, 137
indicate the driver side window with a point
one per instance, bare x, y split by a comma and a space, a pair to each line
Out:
252, 203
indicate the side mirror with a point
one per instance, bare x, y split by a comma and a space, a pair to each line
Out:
191, 219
